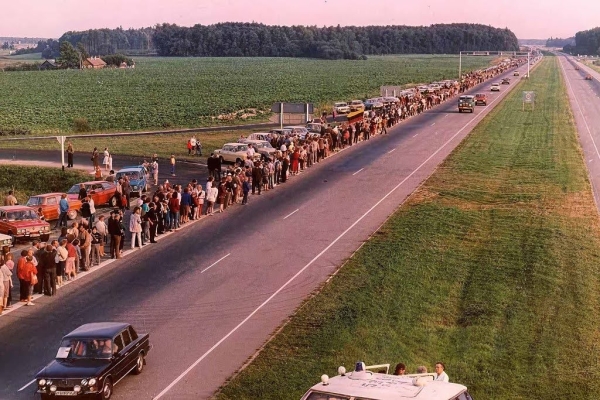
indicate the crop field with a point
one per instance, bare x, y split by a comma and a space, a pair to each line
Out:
491, 267
189, 92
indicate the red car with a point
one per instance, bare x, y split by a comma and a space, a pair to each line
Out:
22, 222
588, 77
101, 192
49, 204
480, 99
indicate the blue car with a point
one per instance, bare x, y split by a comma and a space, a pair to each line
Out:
138, 178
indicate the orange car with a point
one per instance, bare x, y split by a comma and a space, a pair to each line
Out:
480, 99
101, 192
49, 204
22, 222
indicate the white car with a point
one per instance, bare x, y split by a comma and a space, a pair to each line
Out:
262, 147
301, 131
357, 105
258, 136
495, 87
6, 242
341, 107
234, 153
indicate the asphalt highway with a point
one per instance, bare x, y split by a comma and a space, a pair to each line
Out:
213, 293
584, 97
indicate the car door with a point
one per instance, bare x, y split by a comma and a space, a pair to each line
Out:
51, 210
101, 194
119, 365
3, 222
226, 153
129, 351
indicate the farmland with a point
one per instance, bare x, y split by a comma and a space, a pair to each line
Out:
189, 92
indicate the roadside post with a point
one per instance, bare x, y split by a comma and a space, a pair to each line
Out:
529, 98
61, 140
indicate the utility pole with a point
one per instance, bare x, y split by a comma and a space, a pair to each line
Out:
61, 140
459, 66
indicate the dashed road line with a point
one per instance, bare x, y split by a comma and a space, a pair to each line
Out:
292, 213
357, 171
215, 263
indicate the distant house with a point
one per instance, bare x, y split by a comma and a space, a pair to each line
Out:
48, 64
93, 63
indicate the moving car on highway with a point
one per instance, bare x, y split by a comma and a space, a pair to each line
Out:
466, 103
101, 192
341, 107
49, 203
138, 178
506, 81
495, 87
92, 359
516, 73
480, 99
588, 77
22, 222
364, 384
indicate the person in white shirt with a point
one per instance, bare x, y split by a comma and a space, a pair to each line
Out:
440, 374
193, 144
250, 152
92, 211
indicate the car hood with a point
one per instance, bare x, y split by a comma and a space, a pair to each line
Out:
27, 223
72, 368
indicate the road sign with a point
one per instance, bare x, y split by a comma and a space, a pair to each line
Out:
293, 108
528, 97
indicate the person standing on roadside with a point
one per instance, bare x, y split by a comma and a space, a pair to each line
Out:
49, 266
114, 230
105, 159
95, 156
152, 220
97, 244
70, 152
172, 165
245, 190
10, 199
257, 175
174, 211
135, 227
5, 282
154, 167
61, 260
85, 245
102, 230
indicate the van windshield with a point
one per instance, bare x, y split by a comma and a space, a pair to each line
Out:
326, 396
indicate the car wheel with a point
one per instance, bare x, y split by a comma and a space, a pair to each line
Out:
139, 364
113, 202
107, 390
72, 214
14, 239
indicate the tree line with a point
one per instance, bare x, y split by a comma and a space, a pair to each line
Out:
559, 42
586, 42
259, 40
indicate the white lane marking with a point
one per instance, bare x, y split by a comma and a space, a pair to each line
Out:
215, 263
292, 213
446, 115
432, 124
32, 381
264, 303
416, 135
391, 151
357, 171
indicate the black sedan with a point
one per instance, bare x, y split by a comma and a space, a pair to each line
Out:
92, 359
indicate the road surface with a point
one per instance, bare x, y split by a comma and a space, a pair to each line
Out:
212, 294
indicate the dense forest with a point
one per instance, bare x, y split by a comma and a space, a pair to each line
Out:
258, 40
559, 42
586, 42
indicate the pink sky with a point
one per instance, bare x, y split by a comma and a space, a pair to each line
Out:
528, 19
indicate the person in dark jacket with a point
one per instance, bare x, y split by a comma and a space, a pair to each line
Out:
152, 219
257, 175
114, 230
49, 267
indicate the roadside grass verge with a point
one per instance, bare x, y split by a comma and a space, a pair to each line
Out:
491, 267
138, 146
28, 181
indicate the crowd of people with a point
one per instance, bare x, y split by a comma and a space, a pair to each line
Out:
44, 267
440, 371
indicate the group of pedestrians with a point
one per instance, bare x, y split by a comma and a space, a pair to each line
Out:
440, 371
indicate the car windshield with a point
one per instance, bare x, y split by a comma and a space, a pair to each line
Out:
34, 201
265, 145
130, 174
87, 348
75, 189
21, 215
326, 396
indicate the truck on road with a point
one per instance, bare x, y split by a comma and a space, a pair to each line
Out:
466, 103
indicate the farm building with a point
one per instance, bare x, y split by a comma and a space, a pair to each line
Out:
93, 63
48, 64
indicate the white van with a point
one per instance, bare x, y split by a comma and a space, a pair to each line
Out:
363, 384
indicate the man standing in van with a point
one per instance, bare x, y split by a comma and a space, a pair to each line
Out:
440, 374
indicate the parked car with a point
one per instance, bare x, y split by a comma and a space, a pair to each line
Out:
92, 359
281, 131
22, 222
260, 136
301, 131
341, 107
495, 87
357, 105
49, 203
373, 104
480, 99
138, 176
315, 127
390, 100
263, 147
234, 153
6, 242
101, 192
466, 103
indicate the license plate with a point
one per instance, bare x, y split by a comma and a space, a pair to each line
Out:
65, 393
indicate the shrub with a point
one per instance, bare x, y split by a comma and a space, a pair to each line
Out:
81, 125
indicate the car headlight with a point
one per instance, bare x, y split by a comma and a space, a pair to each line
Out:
53, 388
84, 382
7, 242
135, 187
42, 382
92, 381
77, 388
21, 230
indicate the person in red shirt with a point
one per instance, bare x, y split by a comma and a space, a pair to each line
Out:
27, 273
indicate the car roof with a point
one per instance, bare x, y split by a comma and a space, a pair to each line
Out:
133, 169
47, 194
16, 208
92, 182
377, 386
97, 329
235, 144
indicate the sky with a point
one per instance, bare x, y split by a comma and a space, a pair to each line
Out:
528, 19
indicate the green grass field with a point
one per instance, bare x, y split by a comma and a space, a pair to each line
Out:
188, 92
491, 266
27, 181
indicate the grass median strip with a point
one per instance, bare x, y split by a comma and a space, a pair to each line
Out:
491, 266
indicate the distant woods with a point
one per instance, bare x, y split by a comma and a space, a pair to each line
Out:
258, 40
586, 42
